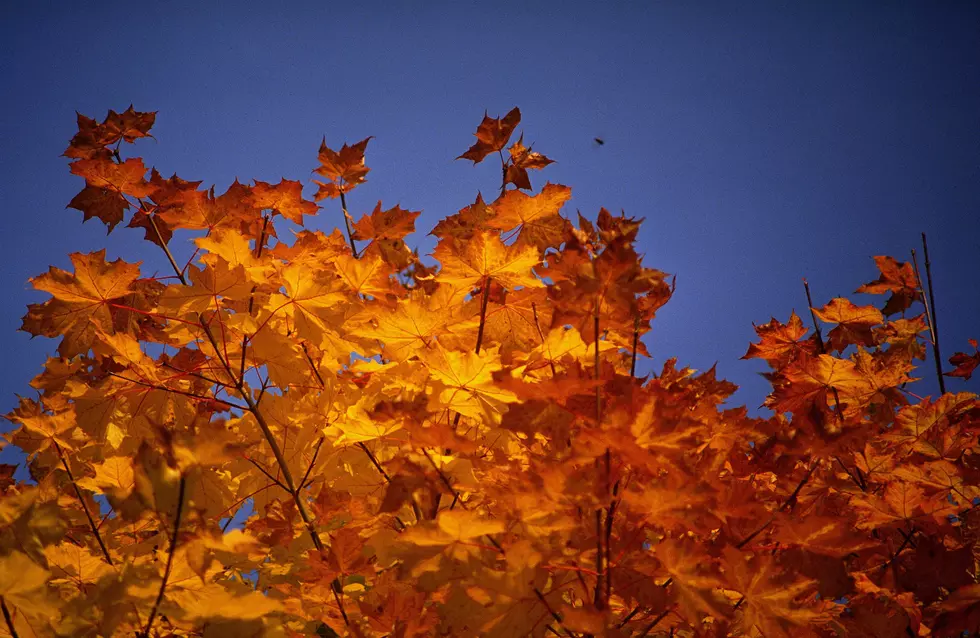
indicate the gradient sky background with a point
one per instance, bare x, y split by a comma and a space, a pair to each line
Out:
762, 141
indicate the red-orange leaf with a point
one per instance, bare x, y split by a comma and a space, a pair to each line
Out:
492, 135
897, 278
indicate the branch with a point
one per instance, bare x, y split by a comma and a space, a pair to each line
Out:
170, 557
254, 409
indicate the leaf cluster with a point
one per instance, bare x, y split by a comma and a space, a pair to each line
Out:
305, 436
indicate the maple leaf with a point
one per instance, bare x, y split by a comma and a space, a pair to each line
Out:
695, 580
465, 382
897, 278
386, 230
470, 220
483, 258
452, 526
345, 169
92, 137
102, 203
412, 325
522, 158
901, 503
130, 125
810, 383
20, 582
536, 218
126, 178
773, 601
284, 198
81, 302
965, 363
492, 135
780, 343
854, 323
394, 223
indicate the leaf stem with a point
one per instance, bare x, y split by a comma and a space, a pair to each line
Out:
88, 515
350, 233
170, 557
8, 618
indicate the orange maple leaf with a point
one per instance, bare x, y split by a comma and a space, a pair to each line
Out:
345, 169
492, 135
897, 278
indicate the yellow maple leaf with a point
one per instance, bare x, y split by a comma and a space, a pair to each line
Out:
466, 264
452, 526
464, 382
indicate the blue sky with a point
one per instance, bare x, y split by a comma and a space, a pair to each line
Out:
763, 142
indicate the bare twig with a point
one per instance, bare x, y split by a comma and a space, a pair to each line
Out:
820, 345
170, 557
88, 515
350, 233
653, 623
554, 614
930, 307
8, 618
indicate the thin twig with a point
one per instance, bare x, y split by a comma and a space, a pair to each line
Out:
88, 515
636, 341
338, 592
170, 557
8, 618
266, 472
350, 234
930, 320
483, 313
554, 614
787, 503
316, 452
820, 345
653, 623
932, 307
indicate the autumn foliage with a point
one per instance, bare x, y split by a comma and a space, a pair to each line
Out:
461, 449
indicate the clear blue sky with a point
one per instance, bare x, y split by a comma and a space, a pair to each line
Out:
762, 141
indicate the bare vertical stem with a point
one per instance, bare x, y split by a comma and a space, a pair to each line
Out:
88, 515
483, 313
930, 307
932, 303
820, 344
636, 342
8, 618
170, 557
537, 325
350, 233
